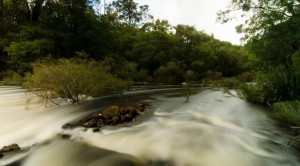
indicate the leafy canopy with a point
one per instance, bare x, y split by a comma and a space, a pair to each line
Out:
261, 15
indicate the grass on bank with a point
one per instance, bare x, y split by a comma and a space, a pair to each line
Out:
287, 113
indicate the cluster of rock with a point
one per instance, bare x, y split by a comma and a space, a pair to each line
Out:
113, 115
9, 148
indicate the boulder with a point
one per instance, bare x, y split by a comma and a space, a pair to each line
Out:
86, 120
10, 148
111, 115
100, 123
128, 113
68, 126
91, 123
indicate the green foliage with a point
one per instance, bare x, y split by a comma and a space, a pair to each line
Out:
12, 78
211, 76
232, 60
279, 87
23, 53
246, 77
142, 76
128, 11
157, 26
287, 113
30, 44
254, 93
171, 73
73, 79
273, 87
261, 15
278, 46
230, 83
134, 47
153, 49
272, 30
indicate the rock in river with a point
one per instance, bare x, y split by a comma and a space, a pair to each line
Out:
10, 148
113, 115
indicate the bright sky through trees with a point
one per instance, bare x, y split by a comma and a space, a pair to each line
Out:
200, 13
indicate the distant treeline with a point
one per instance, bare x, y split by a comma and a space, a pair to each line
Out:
126, 37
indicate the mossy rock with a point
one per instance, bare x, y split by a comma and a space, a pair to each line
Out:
111, 115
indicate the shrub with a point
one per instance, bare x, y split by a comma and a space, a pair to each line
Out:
230, 83
272, 87
287, 113
171, 73
211, 76
12, 78
73, 79
282, 88
254, 93
142, 76
246, 77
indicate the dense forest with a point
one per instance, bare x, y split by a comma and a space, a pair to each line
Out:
45, 39
127, 38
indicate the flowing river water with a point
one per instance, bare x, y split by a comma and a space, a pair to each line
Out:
212, 129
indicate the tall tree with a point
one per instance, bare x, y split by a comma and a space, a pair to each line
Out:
272, 30
273, 26
261, 14
128, 11
158, 25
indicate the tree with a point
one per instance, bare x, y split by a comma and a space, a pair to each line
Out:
231, 60
128, 11
272, 30
273, 27
171, 73
261, 15
153, 49
187, 39
30, 44
279, 44
74, 79
158, 25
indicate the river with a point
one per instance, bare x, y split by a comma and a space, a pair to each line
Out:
212, 129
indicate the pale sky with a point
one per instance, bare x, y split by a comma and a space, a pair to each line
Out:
199, 13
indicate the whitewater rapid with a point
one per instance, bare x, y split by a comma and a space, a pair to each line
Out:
212, 129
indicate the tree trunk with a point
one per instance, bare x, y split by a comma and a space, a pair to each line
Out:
28, 11
36, 10
1, 8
